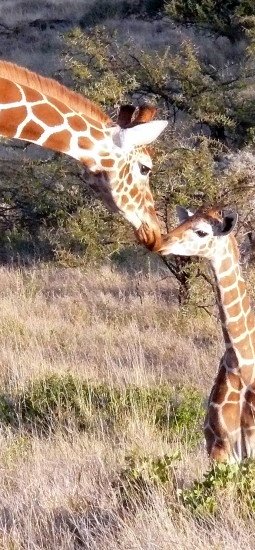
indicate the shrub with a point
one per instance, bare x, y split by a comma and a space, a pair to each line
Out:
236, 481
57, 400
221, 17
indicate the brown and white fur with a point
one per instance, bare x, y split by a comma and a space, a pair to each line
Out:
115, 156
230, 419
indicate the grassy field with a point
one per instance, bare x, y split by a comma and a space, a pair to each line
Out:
103, 384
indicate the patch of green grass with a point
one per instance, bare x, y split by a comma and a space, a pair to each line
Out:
184, 414
61, 399
141, 472
147, 468
238, 481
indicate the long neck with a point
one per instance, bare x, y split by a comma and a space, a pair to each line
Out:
237, 318
31, 115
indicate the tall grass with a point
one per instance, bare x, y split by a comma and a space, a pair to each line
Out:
103, 382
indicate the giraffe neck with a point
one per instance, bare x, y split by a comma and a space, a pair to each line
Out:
237, 318
41, 111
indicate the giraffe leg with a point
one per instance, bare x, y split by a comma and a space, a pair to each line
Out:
223, 421
217, 444
248, 423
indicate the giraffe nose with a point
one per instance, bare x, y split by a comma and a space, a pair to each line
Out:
150, 236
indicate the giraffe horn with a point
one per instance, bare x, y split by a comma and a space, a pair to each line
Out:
125, 115
146, 113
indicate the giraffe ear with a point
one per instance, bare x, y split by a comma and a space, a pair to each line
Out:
141, 134
227, 225
183, 214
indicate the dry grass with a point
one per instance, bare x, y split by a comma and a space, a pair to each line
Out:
62, 489
103, 326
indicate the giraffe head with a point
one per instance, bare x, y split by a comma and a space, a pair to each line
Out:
202, 233
121, 176
115, 157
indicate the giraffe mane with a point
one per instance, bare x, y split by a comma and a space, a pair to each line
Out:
54, 89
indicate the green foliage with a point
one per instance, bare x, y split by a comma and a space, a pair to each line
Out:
60, 399
141, 473
96, 62
223, 480
48, 209
109, 72
148, 469
217, 107
186, 414
221, 17
47, 213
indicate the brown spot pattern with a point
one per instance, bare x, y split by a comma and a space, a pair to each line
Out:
234, 310
231, 415
134, 191
226, 264
77, 123
151, 209
234, 381
10, 93
234, 328
248, 412
48, 114
32, 95
85, 143
245, 349
10, 120
245, 303
214, 421
225, 282
120, 187
139, 198
121, 174
31, 131
250, 320
94, 123
219, 452
247, 373
60, 106
59, 141
220, 388
234, 396
96, 134
242, 287
145, 114
148, 196
126, 170
124, 200
231, 296
107, 163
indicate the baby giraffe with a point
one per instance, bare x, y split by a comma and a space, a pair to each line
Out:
230, 419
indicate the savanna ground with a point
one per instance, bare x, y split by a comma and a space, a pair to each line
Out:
103, 385
104, 377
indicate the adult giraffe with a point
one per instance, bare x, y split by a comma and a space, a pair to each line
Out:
42, 111
230, 419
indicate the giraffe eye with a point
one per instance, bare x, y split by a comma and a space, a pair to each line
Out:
201, 233
144, 169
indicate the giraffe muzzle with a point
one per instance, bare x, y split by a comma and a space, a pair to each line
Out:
149, 236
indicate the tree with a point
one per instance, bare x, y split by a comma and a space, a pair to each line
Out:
188, 169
